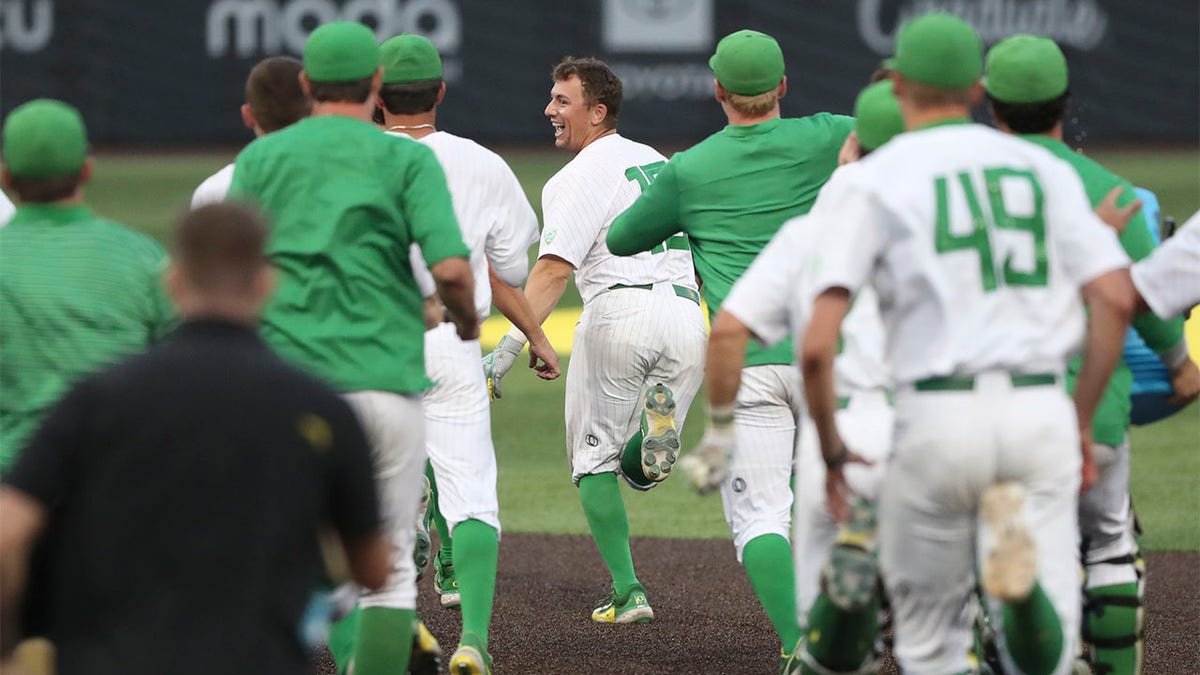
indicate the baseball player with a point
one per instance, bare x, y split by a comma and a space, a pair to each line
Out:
640, 339
1168, 281
978, 245
1027, 87
274, 100
347, 202
766, 303
730, 194
499, 226
67, 273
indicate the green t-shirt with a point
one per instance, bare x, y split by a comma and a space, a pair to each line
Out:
730, 194
77, 293
346, 202
1112, 416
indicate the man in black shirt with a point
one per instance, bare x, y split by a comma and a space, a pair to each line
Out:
178, 496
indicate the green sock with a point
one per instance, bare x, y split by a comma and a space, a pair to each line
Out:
434, 516
841, 640
475, 569
341, 639
768, 563
384, 642
605, 511
1117, 626
1033, 633
631, 460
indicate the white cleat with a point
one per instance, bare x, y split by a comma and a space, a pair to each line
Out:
1010, 566
706, 467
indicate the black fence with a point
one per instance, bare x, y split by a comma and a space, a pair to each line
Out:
170, 72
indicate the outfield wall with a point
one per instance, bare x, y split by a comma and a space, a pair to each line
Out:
171, 72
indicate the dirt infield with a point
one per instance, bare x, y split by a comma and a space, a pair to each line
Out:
706, 617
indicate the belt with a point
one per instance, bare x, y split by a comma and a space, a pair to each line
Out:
967, 382
681, 291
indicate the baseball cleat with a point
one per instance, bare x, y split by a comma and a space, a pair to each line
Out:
426, 656
1010, 566
423, 545
850, 577
628, 606
445, 585
471, 657
660, 438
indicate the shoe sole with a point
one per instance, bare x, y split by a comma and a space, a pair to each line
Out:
451, 600
660, 443
467, 661
421, 551
1010, 567
638, 615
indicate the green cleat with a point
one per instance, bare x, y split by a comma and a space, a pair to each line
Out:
628, 606
471, 657
660, 438
851, 575
445, 585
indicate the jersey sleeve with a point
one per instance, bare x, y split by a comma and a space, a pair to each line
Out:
353, 504
1085, 246
427, 207
46, 468
853, 235
214, 189
651, 219
1169, 280
1160, 334
514, 229
761, 299
572, 218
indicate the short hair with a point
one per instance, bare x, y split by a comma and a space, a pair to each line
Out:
756, 105
928, 96
880, 74
220, 247
353, 91
45, 190
600, 84
274, 93
410, 98
1031, 118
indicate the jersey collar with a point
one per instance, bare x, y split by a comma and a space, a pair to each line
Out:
752, 129
58, 215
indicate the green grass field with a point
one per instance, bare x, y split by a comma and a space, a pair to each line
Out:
147, 191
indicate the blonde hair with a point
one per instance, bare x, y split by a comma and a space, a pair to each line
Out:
929, 96
756, 105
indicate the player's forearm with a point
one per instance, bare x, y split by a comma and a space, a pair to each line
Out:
818, 350
1110, 301
726, 356
512, 304
546, 285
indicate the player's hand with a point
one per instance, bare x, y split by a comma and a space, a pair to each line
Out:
1185, 383
497, 364
433, 311
542, 351
838, 494
1117, 217
851, 151
1090, 472
707, 465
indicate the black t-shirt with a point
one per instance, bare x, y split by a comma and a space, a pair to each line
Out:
185, 489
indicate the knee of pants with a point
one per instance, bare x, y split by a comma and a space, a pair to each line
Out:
746, 531
400, 590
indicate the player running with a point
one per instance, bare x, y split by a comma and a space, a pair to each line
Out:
639, 344
978, 245
1027, 86
730, 194
347, 202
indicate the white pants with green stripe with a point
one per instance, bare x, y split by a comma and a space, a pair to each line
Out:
395, 428
950, 446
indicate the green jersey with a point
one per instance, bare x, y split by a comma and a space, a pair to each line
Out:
346, 202
730, 194
1161, 335
77, 293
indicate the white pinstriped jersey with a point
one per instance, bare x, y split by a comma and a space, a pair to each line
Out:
214, 188
977, 244
770, 300
496, 220
1169, 278
579, 204
6, 209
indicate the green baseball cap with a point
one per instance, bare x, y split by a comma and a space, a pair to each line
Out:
748, 63
940, 50
409, 58
44, 139
877, 115
1025, 69
342, 51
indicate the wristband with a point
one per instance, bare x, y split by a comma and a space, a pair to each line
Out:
515, 334
721, 416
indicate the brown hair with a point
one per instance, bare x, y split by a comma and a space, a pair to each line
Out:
410, 98
274, 94
44, 190
600, 84
354, 91
220, 247
929, 96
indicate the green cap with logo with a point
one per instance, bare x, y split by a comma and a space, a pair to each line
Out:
940, 50
409, 58
748, 63
1026, 69
342, 51
44, 139
877, 115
